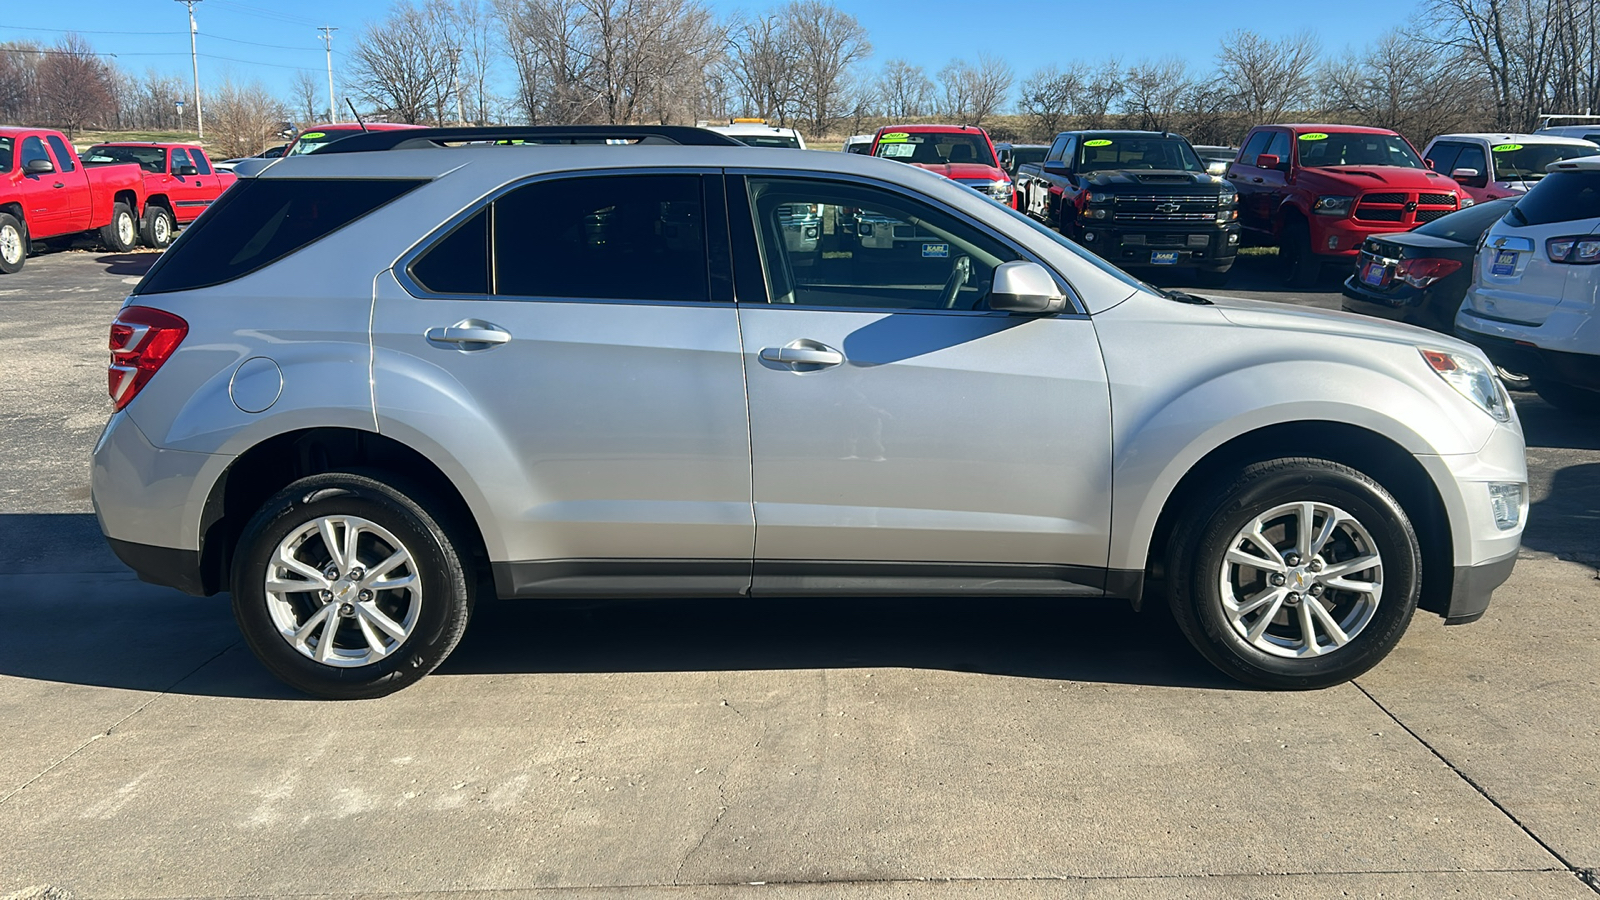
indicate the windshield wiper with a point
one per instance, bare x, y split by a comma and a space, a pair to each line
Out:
1185, 297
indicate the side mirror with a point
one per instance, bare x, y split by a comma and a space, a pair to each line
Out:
1469, 177
39, 167
1021, 286
1428, 163
1217, 167
1054, 167
185, 170
1267, 161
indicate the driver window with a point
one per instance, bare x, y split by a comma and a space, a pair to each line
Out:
851, 246
1058, 150
179, 158
1471, 158
32, 149
1279, 146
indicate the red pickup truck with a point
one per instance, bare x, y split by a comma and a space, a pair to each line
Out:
1319, 191
179, 183
46, 192
961, 153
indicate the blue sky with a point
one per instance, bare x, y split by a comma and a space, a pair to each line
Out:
1028, 33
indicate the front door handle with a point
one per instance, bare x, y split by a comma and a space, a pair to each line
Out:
803, 353
470, 334
59, 185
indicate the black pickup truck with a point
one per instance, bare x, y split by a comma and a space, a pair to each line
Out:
1136, 198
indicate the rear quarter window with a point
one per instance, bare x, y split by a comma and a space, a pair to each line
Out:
1559, 197
260, 221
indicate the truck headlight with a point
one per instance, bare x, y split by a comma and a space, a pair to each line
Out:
1095, 213
1507, 500
1473, 380
1099, 197
1332, 206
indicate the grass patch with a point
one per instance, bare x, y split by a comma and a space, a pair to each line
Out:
1258, 251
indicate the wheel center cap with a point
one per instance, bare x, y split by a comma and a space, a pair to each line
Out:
344, 590
1299, 578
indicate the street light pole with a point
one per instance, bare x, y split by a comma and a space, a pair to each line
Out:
327, 39
194, 59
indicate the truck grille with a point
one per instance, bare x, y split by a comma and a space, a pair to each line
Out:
1428, 215
1437, 200
1166, 217
1155, 208
1391, 206
1384, 198
1380, 215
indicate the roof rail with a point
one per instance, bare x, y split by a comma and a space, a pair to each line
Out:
422, 138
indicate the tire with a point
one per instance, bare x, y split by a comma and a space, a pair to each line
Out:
13, 244
122, 233
1212, 278
1211, 589
386, 637
1303, 267
1567, 398
1512, 380
157, 228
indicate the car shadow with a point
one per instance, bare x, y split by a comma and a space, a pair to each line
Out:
74, 614
1545, 426
128, 263
1565, 521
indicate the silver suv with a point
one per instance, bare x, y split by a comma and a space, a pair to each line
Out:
376, 383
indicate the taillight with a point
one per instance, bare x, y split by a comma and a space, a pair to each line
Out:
141, 340
1582, 250
1420, 273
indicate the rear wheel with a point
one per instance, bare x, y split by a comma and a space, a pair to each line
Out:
157, 229
1568, 398
122, 234
1300, 573
13, 244
345, 587
1303, 268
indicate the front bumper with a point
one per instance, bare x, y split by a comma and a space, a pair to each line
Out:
1472, 587
1207, 246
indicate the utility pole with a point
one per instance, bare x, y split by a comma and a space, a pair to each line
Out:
194, 59
327, 39
455, 63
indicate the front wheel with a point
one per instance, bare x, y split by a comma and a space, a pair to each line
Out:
346, 588
122, 234
158, 227
13, 244
1300, 573
1303, 267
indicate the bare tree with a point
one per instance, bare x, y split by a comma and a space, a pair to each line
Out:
1102, 89
1049, 94
904, 90
832, 42
1408, 86
242, 119
1153, 92
75, 86
1266, 78
19, 82
305, 97
475, 33
401, 65
764, 63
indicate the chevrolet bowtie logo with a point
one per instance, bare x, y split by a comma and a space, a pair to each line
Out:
1168, 208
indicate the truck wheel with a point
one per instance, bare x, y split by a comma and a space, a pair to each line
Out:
156, 230
13, 244
122, 234
346, 588
1303, 266
1297, 573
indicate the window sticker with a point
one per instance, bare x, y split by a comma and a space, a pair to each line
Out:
935, 251
1102, 142
1314, 136
313, 135
1506, 148
897, 151
894, 137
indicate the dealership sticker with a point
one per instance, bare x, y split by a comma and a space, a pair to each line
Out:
1314, 136
313, 135
1097, 143
1506, 148
937, 251
895, 137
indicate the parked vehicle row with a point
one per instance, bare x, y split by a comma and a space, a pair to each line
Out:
47, 192
962, 153
179, 183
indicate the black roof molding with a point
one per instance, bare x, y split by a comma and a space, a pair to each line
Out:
423, 138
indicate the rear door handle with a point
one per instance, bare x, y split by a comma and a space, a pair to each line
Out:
468, 332
803, 353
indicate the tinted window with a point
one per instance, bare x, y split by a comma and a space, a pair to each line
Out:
1110, 152
1443, 155
1471, 158
262, 220
829, 244
780, 141
5, 154
1559, 197
1256, 147
179, 158
32, 149
628, 237
1468, 224
201, 164
1279, 146
458, 264
1350, 149
65, 159
1527, 162
1057, 150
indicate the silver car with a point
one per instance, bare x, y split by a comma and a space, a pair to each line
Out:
372, 386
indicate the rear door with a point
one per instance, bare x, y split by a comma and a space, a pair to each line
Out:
904, 438
574, 347
69, 172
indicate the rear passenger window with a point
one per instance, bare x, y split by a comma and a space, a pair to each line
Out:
625, 237
261, 220
458, 264
64, 155
1559, 197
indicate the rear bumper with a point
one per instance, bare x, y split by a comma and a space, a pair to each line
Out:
1473, 586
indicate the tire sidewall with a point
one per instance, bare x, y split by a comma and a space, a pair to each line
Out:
444, 589
112, 236
152, 230
7, 220
1373, 508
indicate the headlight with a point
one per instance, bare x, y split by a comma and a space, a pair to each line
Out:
1096, 213
1001, 190
1100, 198
1473, 379
1332, 206
1464, 201
1227, 197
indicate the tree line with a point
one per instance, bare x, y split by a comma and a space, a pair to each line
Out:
1458, 65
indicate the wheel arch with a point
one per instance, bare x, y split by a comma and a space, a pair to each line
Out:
160, 200
273, 463
131, 198
15, 211
1380, 457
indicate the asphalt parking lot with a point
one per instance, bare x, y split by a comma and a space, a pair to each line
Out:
833, 748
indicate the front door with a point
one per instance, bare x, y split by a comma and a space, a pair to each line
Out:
904, 437
44, 198
568, 349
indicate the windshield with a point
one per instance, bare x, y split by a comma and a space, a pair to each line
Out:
311, 140
1318, 150
1526, 162
935, 149
5, 154
1110, 152
781, 141
1469, 224
151, 159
